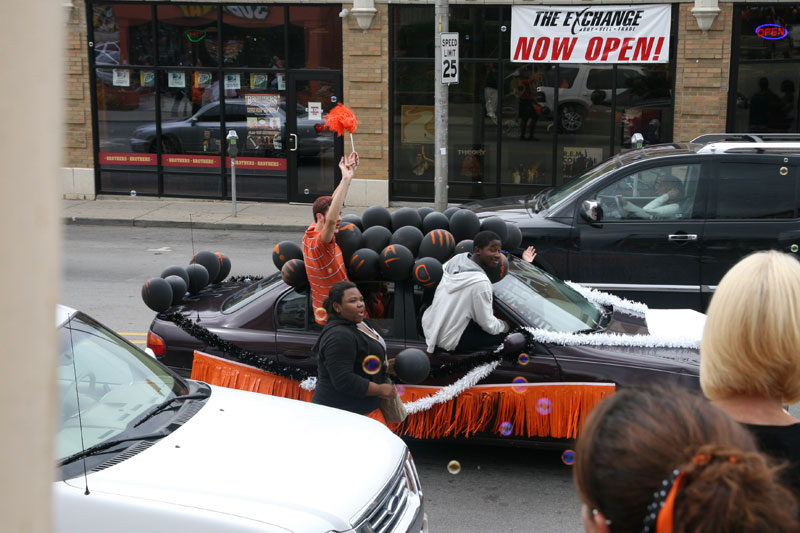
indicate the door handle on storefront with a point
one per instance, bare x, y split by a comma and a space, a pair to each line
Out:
293, 136
682, 237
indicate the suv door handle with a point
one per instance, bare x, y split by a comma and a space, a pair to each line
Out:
293, 136
682, 237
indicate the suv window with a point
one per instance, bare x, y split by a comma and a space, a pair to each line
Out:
755, 190
599, 78
293, 313
663, 193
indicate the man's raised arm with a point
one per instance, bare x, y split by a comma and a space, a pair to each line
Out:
348, 168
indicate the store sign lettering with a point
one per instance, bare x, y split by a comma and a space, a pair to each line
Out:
247, 12
771, 32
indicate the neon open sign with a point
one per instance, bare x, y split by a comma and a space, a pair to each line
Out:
772, 32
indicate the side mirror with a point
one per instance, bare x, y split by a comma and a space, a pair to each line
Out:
592, 211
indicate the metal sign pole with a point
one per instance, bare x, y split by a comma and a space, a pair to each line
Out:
233, 151
440, 111
233, 184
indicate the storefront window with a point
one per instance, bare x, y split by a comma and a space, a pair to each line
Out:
315, 38
187, 36
123, 34
478, 30
764, 90
258, 31
644, 104
413, 31
414, 129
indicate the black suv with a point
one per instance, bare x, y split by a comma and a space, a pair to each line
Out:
662, 224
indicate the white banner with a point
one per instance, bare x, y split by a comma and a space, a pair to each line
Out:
596, 34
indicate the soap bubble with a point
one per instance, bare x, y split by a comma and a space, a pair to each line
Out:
371, 364
321, 314
523, 359
568, 457
519, 383
506, 428
544, 406
454, 467
401, 389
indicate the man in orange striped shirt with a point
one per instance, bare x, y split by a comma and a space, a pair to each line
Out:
321, 255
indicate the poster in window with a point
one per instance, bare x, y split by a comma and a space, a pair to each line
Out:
232, 82
281, 81
416, 124
578, 159
202, 80
264, 122
147, 78
258, 81
315, 111
176, 79
121, 77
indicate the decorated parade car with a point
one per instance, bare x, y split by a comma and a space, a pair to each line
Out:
580, 344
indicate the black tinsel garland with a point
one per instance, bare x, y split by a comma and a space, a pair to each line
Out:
247, 357
239, 279
235, 352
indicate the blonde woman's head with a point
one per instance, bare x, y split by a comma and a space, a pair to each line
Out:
751, 342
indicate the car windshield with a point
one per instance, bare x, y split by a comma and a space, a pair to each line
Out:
557, 194
108, 381
250, 293
544, 301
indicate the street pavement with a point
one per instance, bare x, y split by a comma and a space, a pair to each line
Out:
199, 214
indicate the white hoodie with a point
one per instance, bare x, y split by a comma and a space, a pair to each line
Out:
463, 294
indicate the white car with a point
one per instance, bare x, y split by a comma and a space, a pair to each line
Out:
141, 449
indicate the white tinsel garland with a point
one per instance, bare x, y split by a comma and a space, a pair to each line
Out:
601, 298
309, 383
454, 389
613, 339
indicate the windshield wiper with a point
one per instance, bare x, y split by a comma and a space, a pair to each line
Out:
168, 403
97, 448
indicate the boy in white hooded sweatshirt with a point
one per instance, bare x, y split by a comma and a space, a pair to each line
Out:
461, 316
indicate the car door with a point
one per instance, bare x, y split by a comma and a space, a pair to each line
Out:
753, 207
646, 247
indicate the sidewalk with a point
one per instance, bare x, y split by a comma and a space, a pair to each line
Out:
201, 214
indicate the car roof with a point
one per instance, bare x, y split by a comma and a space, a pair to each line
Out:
63, 313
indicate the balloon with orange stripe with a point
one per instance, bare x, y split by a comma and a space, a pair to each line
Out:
427, 271
293, 273
284, 251
363, 265
438, 244
396, 262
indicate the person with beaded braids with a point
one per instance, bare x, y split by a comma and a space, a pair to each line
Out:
750, 352
664, 460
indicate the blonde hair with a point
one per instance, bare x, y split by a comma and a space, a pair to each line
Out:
751, 342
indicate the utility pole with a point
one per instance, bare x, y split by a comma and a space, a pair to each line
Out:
440, 111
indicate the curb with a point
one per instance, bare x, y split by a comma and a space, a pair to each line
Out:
78, 221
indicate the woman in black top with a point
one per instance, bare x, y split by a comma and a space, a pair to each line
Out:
750, 353
351, 356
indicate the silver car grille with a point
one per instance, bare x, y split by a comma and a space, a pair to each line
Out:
391, 504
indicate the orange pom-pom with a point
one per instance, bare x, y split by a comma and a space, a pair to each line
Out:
341, 119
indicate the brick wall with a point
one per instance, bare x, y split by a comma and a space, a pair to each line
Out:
78, 114
702, 74
365, 78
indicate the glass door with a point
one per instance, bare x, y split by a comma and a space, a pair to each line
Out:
313, 151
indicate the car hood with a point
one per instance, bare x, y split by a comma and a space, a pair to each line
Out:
285, 462
510, 205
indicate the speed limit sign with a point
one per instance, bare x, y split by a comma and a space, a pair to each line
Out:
449, 57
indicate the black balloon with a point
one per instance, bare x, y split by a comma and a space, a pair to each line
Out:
208, 260
176, 271
497, 225
408, 236
450, 210
198, 277
498, 272
423, 212
224, 267
363, 265
352, 219
465, 246
396, 262
293, 273
464, 224
284, 251
435, 220
514, 237
376, 216
405, 216
349, 239
412, 366
157, 294
178, 288
427, 271
439, 244
376, 238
